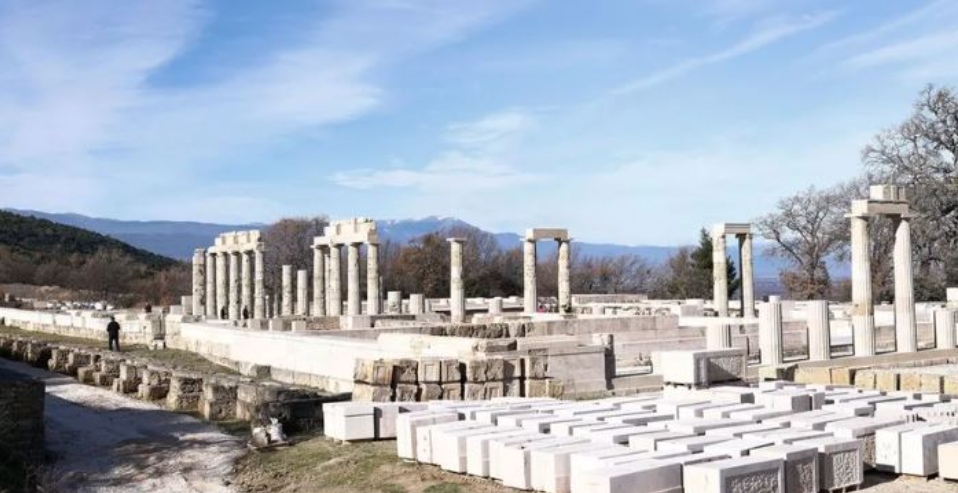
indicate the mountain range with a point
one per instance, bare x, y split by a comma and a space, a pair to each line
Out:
178, 239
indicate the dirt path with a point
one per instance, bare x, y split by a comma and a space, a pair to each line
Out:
108, 443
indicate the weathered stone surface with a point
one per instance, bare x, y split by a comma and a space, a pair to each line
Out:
21, 418
865, 379
741, 474
948, 460
931, 383
886, 380
373, 372
800, 463
406, 392
363, 392
843, 375
822, 375
919, 448
185, 391
777, 372
405, 371
910, 382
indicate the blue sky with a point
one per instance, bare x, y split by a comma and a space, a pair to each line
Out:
632, 122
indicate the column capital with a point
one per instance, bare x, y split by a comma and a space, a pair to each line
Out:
456, 240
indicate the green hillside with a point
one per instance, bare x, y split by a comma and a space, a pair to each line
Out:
44, 241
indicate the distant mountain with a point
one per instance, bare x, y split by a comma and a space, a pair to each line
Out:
40, 240
178, 239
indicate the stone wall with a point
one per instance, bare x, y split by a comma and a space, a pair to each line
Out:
21, 418
135, 328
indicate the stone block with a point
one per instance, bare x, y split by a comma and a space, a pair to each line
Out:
888, 446
497, 447
452, 391
814, 375
886, 380
636, 477
704, 367
477, 449
58, 359
148, 392
950, 384
85, 374
777, 372
732, 395
101, 379
536, 366
800, 463
948, 461
741, 474
843, 375
430, 371
919, 447
430, 391
349, 421
476, 370
865, 379
737, 447
185, 391
550, 467
363, 392
408, 423
450, 446
517, 460
452, 371
405, 371
373, 372
864, 429
932, 383
650, 442
840, 462
910, 382
406, 392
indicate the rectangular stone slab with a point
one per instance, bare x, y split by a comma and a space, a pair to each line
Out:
738, 447
725, 412
690, 444
497, 445
649, 442
801, 465
919, 448
639, 477
840, 462
450, 446
742, 430
741, 474
545, 422
517, 460
477, 450
948, 461
425, 452
550, 467
580, 462
407, 423
863, 429
888, 446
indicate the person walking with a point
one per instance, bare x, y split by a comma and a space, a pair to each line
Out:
113, 330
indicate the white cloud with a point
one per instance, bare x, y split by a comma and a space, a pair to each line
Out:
928, 47
492, 130
766, 35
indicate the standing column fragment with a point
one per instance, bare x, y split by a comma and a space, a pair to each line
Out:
863, 314
287, 302
199, 281
565, 288
770, 333
748, 279
234, 288
719, 336
302, 291
373, 299
222, 295
246, 291
210, 285
906, 330
530, 300
944, 328
319, 282
819, 330
353, 302
457, 294
259, 291
335, 282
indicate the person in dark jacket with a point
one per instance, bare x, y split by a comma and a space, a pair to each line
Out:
113, 330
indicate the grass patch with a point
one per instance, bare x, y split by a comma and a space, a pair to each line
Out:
443, 488
170, 357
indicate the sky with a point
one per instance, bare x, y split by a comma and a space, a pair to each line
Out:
633, 122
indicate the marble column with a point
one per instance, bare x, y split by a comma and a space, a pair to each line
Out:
259, 291
906, 330
287, 291
210, 285
302, 291
818, 320
530, 301
457, 291
234, 301
495, 306
863, 313
372, 279
394, 302
199, 282
319, 282
353, 302
335, 308
222, 283
719, 275
747, 274
246, 289
770, 333
565, 287
417, 304
944, 328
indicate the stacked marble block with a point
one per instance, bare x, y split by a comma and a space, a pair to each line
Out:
360, 421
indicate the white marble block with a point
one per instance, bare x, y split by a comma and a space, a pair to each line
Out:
801, 465
649, 442
517, 460
550, 467
477, 450
741, 474
425, 435
649, 476
919, 448
738, 447
840, 462
349, 421
407, 423
888, 446
863, 429
449, 446
948, 461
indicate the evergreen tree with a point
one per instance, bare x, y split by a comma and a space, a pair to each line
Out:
702, 261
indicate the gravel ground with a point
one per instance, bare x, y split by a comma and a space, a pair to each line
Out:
107, 443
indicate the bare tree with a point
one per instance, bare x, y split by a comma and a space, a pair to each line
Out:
289, 242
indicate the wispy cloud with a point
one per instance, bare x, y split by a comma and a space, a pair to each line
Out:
492, 130
768, 34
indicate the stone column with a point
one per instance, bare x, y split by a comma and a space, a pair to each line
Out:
394, 302
302, 291
565, 288
770, 333
863, 313
319, 282
210, 285
417, 304
718, 336
234, 301
530, 301
199, 281
906, 331
353, 303
335, 308
495, 306
222, 282
246, 289
372, 279
259, 291
819, 330
944, 328
719, 275
457, 291
748, 279
287, 293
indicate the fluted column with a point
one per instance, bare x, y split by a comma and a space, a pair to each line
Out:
945, 328
748, 280
222, 283
565, 287
495, 306
286, 308
818, 320
372, 279
719, 275
457, 291
199, 281
530, 301
259, 291
906, 330
417, 304
246, 289
353, 302
863, 313
770, 333
319, 282
234, 288
210, 285
302, 291
335, 308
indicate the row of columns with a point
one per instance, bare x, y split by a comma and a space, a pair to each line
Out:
228, 284
720, 336
529, 262
327, 280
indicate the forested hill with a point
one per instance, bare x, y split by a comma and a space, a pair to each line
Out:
42, 241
